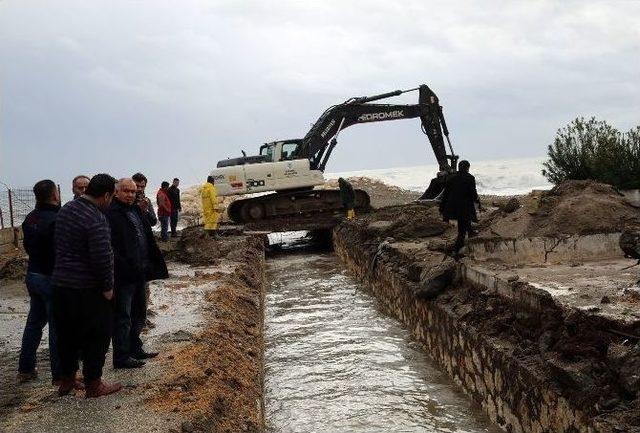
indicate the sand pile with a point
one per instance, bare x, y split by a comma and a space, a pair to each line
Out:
381, 194
573, 207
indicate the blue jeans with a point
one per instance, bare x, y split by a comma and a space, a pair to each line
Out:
164, 227
39, 287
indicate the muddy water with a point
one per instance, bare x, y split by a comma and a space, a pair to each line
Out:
334, 363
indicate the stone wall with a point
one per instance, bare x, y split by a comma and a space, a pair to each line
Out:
513, 391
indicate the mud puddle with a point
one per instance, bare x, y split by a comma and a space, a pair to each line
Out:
335, 363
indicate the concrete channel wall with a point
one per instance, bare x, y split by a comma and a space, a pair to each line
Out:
514, 394
539, 250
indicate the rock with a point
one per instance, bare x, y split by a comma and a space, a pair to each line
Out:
436, 279
605, 300
186, 427
437, 244
570, 375
511, 205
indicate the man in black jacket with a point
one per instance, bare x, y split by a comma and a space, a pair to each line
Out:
137, 259
458, 202
176, 208
348, 197
38, 228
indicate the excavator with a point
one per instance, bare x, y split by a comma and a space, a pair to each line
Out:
282, 177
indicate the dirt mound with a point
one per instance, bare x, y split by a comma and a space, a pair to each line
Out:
216, 380
197, 248
571, 208
381, 194
406, 222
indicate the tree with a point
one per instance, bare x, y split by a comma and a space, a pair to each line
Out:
593, 149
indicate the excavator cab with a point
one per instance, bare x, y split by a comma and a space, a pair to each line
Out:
275, 151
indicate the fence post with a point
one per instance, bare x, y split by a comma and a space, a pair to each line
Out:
10, 208
1, 219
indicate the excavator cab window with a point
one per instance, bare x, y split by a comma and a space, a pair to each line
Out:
267, 151
288, 150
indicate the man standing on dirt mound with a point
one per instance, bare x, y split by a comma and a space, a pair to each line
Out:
348, 197
210, 213
458, 201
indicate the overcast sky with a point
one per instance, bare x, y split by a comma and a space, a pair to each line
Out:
171, 87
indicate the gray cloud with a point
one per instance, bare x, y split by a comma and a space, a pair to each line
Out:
171, 87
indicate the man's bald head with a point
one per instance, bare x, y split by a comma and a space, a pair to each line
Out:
126, 190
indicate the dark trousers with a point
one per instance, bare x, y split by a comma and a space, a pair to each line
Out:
39, 287
164, 227
82, 318
130, 317
174, 222
464, 229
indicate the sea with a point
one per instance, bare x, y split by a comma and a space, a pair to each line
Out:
497, 177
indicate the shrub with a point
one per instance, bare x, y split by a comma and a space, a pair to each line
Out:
593, 149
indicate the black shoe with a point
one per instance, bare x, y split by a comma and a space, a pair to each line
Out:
128, 363
145, 355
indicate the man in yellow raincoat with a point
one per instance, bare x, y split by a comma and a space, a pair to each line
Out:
210, 207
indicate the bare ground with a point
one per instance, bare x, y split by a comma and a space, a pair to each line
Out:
195, 311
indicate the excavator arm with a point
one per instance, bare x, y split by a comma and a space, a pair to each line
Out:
321, 139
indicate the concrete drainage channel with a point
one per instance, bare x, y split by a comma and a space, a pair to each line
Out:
491, 334
335, 363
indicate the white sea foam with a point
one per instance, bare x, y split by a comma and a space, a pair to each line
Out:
500, 177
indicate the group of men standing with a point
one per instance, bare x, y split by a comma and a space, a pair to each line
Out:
89, 265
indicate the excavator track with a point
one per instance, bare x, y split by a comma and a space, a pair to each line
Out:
292, 203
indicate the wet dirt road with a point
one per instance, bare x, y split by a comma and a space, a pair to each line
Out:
334, 362
34, 407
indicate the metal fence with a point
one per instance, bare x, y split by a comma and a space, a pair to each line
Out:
15, 204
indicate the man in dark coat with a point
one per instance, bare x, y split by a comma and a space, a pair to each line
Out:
348, 197
82, 287
174, 196
38, 228
137, 259
458, 202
